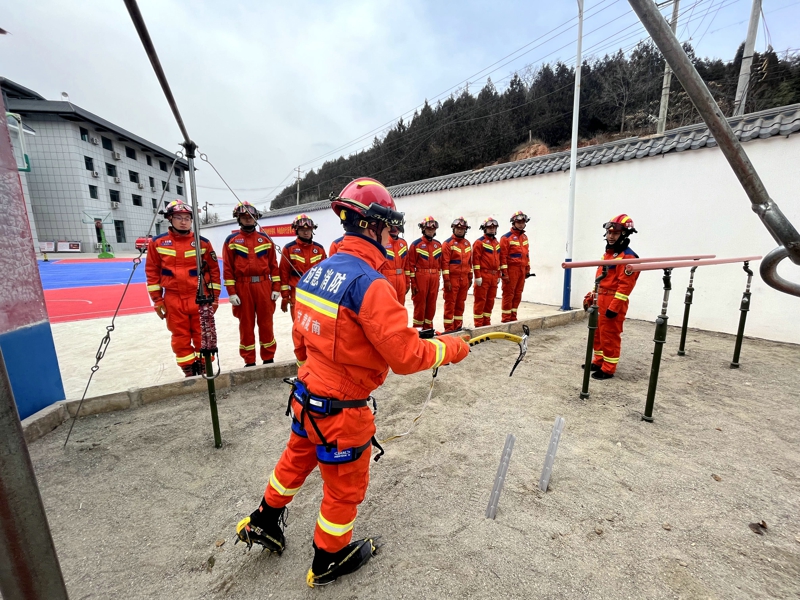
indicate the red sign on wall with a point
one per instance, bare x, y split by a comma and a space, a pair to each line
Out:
279, 230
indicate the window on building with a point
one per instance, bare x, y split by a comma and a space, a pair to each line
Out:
114, 195
155, 203
111, 170
149, 161
152, 182
89, 162
130, 153
137, 200
162, 165
164, 185
119, 229
179, 189
178, 172
107, 143
84, 134
134, 176
93, 192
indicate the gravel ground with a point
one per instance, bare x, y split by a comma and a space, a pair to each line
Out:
142, 506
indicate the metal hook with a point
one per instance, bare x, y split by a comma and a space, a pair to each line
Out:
769, 272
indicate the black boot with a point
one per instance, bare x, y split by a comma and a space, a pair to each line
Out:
268, 362
602, 375
264, 527
328, 566
188, 370
592, 367
249, 364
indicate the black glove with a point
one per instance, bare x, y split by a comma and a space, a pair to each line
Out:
610, 314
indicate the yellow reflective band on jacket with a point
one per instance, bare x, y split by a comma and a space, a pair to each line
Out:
440, 352
316, 258
423, 252
322, 306
403, 250
437, 252
389, 253
468, 249
446, 272
297, 257
488, 246
262, 247
239, 247
267, 344
167, 251
286, 288
476, 267
335, 529
456, 248
276, 278
283, 491
229, 282
525, 243
620, 296
409, 274
215, 286
513, 243
503, 266
190, 253
153, 288
183, 359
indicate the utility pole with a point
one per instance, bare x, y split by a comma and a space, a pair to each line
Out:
205, 209
298, 185
747, 60
573, 165
662, 110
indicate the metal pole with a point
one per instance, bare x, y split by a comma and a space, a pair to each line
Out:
662, 110
298, 186
29, 568
594, 316
747, 60
687, 302
744, 307
768, 211
660, 338
573, 165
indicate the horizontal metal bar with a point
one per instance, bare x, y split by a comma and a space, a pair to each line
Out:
631, 261
689, 263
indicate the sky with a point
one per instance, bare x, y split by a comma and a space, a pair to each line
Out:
265, 87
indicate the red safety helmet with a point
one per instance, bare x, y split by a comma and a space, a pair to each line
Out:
245, 208
460, 222
519, 216
428, 222
489, 222
303, 221
176, 206
370, 199
622, 223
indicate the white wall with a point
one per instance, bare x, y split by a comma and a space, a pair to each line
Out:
682, 203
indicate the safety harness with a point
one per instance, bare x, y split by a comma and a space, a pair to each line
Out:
327, 452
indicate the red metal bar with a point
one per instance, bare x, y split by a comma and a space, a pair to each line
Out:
631, 261
689, 263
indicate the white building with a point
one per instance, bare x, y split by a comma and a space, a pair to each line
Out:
81, 165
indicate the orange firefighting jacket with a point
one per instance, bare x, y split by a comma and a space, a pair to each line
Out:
486, 255
396, 258
350, 328
297, 257
456, 257
617, 281
424, 255
248, 255
172, 265
514, 250
335, 246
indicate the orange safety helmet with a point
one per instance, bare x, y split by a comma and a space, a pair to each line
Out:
176, 206
370, 199
489, 222
428, 222
245, 208
622, 223
460, 222
519, 215
303, 221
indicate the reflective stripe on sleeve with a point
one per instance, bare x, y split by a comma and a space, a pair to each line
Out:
440, 352
153, 288
620, 296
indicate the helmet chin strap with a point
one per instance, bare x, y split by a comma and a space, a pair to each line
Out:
248, 228
619, 246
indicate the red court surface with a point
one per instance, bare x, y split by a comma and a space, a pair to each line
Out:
79, 304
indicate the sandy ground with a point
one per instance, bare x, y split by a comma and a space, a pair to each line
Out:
140, 354
142, 506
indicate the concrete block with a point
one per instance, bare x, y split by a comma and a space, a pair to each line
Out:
99, 404
559, 319
43, 422
260, 372
165, 391
135, 395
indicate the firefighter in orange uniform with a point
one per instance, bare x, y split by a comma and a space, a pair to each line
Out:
425, 268
335, 246
612, 297
352, 331
395, 269
457, 274
171, 270
486, 261
250, 274
515, 265
297, 257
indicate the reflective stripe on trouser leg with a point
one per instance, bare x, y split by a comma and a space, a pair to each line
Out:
425, 299
460, 299
246, 313
298, 460
610, 339
490, 282
183, 322
449, 304
264, 309
519, 285
344, 488
479, 303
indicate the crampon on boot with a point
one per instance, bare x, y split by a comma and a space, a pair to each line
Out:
199, 367
264, 527
328, 566
188, 370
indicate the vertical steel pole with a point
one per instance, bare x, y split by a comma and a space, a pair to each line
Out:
687, 302
29, 568
747, 60
594, 316
744, 308
573, 166
662, 109
660, 338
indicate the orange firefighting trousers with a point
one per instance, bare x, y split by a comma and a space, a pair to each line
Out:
425, 298
256, 307
607, 338
484, 300
512, 292
183, 322
344, 485
454, 301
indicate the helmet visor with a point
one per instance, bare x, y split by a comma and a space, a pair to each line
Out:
618, 227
